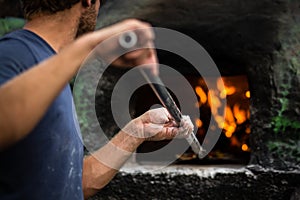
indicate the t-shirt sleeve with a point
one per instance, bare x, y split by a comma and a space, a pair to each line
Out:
14, 59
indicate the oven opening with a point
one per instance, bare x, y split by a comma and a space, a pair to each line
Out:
233, 144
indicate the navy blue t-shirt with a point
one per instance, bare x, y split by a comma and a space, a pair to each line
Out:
47, 164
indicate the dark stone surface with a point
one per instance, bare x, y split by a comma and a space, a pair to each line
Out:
103, 100
245, 183
234, 32
275, 102
88, 77
10, 8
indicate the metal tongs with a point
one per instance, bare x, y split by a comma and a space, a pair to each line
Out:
128, 41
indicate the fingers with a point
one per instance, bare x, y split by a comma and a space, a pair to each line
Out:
111, 51
157, 124
149, 124
186, 127
142, 29
126, 25
154, 132
156, 116
170, 130
146, 57
186, 123
166, 133
148, 131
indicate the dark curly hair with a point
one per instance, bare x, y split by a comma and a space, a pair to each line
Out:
32, 7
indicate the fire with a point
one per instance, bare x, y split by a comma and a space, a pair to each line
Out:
236, 113
214, 102
245, 147
202, 95
239, 114
226, 91
247, 94
199, 123
248, 130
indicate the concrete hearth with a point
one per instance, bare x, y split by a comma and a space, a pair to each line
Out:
202, 182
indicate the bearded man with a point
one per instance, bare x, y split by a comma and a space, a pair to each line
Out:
41, 153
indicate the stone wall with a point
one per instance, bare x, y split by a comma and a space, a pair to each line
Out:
206, 182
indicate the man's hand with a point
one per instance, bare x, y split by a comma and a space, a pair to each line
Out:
157, 124
143, 53
154, 125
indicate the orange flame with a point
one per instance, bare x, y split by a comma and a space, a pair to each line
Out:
214, 102
247, 94
239, 114
226, 91
235, 114
201, 94
199, 123
245, 147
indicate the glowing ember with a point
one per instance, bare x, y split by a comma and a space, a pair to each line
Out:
199, 123
245, 147
239, 114
247, 94
248, 130
202, 95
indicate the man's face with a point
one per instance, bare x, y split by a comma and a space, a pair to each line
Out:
88, 19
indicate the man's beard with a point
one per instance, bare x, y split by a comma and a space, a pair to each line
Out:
87, 22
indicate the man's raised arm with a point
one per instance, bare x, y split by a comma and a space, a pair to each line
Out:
25, 99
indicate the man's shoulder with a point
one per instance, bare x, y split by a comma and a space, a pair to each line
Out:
25, 41
13, 49
11, 46
14, 36
15, 57
21, 35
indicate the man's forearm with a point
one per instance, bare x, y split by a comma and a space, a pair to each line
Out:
102, 166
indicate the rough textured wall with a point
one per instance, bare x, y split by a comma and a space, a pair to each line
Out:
232, 31
276, 97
